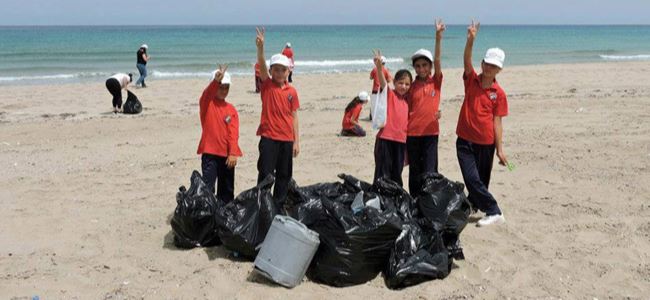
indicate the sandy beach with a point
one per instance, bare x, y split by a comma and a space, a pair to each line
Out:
87, 196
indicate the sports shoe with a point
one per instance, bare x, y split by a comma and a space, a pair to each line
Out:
489, 220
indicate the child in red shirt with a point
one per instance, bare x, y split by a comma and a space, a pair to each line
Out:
390, 145
219, 146
375, 83
278, 130
288, 52
350, 122
480, 129
424, 104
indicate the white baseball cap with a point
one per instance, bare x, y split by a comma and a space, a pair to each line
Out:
144, 46
363, 96
495, 56
280, 59
422, 53
226, 77
288, 45
383, 59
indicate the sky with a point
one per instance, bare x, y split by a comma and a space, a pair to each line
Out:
248, 12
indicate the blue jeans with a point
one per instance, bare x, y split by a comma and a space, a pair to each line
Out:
142, 68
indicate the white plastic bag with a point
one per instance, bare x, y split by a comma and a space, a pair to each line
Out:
379, 109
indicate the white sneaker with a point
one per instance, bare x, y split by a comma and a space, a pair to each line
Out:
489, 220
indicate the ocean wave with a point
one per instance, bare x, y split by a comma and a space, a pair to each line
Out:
332, 63
626, 57
52, 77
162, 74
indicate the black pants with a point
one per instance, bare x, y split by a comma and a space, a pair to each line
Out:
476, 165
215, 170
355, 131
276, 157
389, 160
114, 87
423, 158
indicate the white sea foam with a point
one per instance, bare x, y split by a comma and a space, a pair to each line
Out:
626, 57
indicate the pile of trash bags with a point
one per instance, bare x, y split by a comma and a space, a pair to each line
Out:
364, 229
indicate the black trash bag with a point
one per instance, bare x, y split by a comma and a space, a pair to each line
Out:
444, 204
396, 196
194, 223
304, 205
245, 221
419, 255
353, 248
132, 104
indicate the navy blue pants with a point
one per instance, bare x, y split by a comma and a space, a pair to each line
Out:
423, 158
215, 171
355, 131
476, 165
389, 160
276, 157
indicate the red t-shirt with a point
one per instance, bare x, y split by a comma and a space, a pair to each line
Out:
288, 52
396, 118
375, 78
424, 102
352, 114
476, 119
219, 124
278, 105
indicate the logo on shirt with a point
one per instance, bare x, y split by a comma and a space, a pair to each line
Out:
290, 97
227, 119
493, 96
433, 94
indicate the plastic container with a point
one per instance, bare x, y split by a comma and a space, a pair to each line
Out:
287, 251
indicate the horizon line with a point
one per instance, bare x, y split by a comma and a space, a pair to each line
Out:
323, 24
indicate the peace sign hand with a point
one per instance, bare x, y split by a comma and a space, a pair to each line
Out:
259, 40
440, 27
376, 57
472, 30
221, 71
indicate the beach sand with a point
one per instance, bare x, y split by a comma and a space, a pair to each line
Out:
87, 196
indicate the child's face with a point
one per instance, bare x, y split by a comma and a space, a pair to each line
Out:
279, 73
489, 70
422, 67
222, 93
402, 86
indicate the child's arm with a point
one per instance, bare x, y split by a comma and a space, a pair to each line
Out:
296, 134
259, 41
498, 138
233, 143
467, 57
440, 27
380, 69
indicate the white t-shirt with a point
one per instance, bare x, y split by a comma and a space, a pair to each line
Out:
124, 79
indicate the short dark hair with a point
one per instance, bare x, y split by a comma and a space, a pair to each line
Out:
403, 73
421, 57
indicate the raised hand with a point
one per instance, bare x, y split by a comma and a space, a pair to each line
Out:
440, 27
376, 57
259, 40
221, 71
472, 30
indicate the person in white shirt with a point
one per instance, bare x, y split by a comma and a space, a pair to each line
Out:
115, 84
